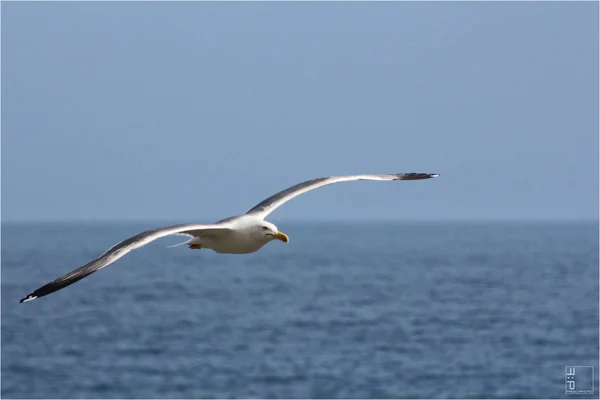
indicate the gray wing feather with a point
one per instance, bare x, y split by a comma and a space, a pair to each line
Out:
116, 252
267, 206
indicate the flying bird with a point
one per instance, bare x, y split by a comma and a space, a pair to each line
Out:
235, 235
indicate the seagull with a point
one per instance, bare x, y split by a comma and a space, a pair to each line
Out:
240, 234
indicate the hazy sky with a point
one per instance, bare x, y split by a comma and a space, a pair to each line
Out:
197, 111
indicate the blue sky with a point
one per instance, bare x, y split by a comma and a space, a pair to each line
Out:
196, 111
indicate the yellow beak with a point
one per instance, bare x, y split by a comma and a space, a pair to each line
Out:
281, 236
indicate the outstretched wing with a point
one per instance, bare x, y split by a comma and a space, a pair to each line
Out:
267, 206
119, 250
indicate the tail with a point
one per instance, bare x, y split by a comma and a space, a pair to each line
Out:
182, 243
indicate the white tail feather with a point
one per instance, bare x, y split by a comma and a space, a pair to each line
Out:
182, 243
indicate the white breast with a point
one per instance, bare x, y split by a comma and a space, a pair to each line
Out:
240, 240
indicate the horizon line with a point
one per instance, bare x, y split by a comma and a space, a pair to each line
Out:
301, 220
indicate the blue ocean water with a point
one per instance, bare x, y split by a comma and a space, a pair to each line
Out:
345, 310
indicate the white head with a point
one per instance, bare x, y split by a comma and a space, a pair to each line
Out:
269, 231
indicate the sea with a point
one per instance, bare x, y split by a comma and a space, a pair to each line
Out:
345, 310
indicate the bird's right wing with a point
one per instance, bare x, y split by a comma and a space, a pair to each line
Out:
265, 207
122, 248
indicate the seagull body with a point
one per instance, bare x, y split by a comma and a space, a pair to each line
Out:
235, 235
238, 235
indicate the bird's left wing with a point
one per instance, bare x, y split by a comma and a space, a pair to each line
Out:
119, 250
265, 207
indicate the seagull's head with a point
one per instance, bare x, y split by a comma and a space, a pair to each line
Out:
270, 232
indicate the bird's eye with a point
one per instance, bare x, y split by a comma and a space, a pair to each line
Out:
265, 228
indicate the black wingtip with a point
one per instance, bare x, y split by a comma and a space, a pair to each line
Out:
29, 297
412, 176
